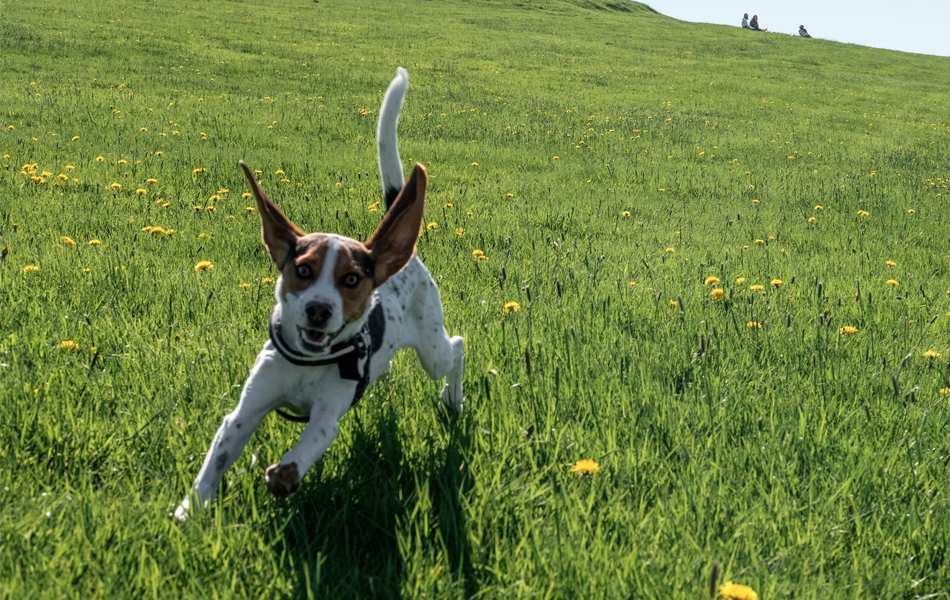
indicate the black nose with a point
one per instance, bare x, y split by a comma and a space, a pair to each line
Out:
319, 313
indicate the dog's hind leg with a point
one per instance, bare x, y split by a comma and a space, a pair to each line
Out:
444, 357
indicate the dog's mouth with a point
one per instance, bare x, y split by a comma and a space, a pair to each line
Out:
314, 338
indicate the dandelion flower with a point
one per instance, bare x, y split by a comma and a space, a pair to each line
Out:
280, 172
847, 330
812, 220
891, 263
674, 303
122, 161
100, 159
246, 195
204, 265
670, 250
755, 202
474, 164
892, 282
818, 207
140, 191
69, 241
863, 213
94, 242
734, 591
432, 225
711, 280
753, 325
585, 467
116, 186
757, 288
151, 181
509, 195
911, 211
776, 282
511, 307
717, 293
931, 354
476, 253
740, 280
203, 236
196, 171
625, 213
759, 241
214, 198
30, 269
945, 391
267, 280
245, 286
460, 231
632, 283
557, 158
69, 345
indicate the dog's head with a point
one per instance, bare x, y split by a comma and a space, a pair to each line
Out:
327, 280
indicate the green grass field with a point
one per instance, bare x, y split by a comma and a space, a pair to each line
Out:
784, 421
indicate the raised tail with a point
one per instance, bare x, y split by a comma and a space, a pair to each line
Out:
387, 143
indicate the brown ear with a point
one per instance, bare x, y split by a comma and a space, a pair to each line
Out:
394, 241
277, 231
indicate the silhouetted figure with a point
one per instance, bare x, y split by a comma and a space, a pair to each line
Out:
745, 21
802, 31
754, 23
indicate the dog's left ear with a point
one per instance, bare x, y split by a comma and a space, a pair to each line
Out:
394, 241
277, 231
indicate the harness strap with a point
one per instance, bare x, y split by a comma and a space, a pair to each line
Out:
347, 355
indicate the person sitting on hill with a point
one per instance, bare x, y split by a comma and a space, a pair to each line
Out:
745, 21
754, 23
802, 31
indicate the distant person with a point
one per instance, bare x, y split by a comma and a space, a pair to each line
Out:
802, 31
754, 23
745, 21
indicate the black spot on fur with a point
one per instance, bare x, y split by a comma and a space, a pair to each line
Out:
220, 462
390, 194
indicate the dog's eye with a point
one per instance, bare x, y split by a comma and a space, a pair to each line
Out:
304, 271
351, 280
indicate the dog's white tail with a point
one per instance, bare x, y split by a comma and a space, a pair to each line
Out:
387, 144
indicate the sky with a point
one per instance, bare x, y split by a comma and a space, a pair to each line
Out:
909, 26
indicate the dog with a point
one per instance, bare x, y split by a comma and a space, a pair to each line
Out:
343, 310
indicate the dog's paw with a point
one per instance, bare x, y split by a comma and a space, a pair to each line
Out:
282, 480
183, 511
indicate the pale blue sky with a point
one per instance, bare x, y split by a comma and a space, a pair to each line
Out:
910, 26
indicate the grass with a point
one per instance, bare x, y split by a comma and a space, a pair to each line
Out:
607, 160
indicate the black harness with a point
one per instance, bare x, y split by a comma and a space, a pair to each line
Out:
349, 355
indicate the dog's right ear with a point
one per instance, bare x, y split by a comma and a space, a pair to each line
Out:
277, 231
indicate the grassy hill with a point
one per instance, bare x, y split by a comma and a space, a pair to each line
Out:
789, 420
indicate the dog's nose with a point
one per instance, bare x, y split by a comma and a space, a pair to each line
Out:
319, 312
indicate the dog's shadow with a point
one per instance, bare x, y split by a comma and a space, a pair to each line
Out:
343, 530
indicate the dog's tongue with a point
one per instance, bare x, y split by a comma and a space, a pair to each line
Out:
317, 337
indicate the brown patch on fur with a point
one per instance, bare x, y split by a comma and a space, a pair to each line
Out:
278, 233
354, 258
311, 250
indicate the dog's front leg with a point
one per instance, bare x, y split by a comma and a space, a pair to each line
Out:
284, 479
257, 400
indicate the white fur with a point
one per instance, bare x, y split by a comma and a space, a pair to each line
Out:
414, 318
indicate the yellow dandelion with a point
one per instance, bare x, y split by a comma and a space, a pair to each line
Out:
818, 207
759, 241
151, 181
755, 202
116, 186
753, 325
196, 171
30, 269
140, 191
556, 158
585, 467
482, 258
674, 303
169, 232
100, 159
740, 280
911, 211
776, 282
62, 177
280, 172
863, 213
892, 282
734, 591
474, 164
757, 288
203, 236
246, 195
711, 280
432, 225
632, 283
269, 280
460, 231
197, 207
812, 220
204, 265
69, 345
511, 307
890, 263
70, 167
717, 293
945, 391
670, 250
625, 213
94, 242
122, 161
931, 354
476, 253
10, 127
848, 330
69, 241
157, 230
244, 286
509, 195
